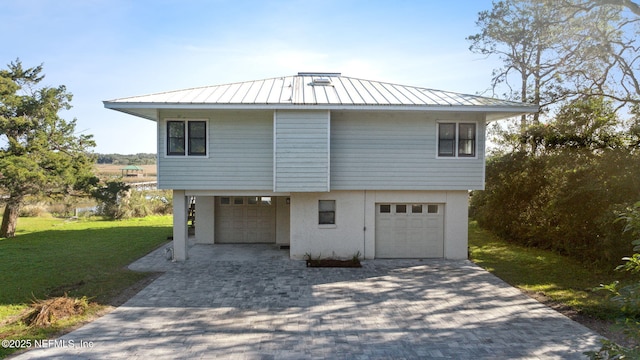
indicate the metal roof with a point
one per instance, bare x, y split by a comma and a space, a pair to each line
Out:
330, 91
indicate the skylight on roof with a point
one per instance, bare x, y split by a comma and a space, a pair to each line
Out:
319, 78
321, 81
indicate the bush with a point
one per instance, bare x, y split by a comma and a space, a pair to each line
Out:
112, 199
565, 201
563, 187
116, 200
627, 297
33, 210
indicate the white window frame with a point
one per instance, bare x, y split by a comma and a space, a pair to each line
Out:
186, 138
333, 210
456, 144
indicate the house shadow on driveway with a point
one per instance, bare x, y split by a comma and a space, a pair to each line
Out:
252, 302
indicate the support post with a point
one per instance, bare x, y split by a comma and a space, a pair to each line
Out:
180, 229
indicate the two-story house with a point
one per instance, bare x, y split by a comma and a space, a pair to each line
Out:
326, 164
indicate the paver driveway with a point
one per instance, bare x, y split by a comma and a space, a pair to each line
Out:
251, 302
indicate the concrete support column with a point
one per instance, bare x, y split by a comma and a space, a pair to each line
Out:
205, 224
456, 228
180, 228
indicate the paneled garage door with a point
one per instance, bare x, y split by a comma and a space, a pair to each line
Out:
245, 219
409, 230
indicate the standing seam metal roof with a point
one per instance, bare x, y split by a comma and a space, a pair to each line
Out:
300, 90
317, 91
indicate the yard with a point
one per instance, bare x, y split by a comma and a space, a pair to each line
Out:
87, 258
558, 281
51, 257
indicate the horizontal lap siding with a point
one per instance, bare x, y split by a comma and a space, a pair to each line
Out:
397, 152
240, 155
301, 151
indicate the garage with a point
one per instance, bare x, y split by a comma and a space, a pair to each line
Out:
406, 230
245, 220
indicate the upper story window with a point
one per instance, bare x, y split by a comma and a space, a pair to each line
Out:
187, 137
456, 139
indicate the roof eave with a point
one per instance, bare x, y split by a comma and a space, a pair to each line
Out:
150, 110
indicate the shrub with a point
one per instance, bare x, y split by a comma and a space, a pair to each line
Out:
561, 186
112, 199
33, 210
117, 200
627, 297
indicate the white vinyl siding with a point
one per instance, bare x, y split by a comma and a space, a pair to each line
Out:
301, 151
366, 151
386, 151
240, 146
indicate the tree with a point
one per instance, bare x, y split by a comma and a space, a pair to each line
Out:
618, 40
40, 153
562, 188
555, 51
112, 199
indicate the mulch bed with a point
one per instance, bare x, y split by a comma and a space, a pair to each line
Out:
333, 263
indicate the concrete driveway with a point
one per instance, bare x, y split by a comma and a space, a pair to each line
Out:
252, 302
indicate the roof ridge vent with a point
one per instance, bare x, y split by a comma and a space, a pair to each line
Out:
319, 74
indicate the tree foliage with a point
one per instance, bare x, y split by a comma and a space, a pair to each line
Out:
556, 51
112, 199
40, 153
625, 297
563, 187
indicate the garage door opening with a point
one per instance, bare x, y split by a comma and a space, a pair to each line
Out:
245, 220
409, 230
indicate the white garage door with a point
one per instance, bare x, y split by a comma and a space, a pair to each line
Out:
409, 230
245, 219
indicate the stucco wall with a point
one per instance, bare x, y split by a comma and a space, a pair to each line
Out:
354, 230
342, 240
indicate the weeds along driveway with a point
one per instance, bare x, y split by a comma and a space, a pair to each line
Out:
251, 302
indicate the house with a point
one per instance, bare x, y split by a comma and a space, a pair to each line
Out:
325, 164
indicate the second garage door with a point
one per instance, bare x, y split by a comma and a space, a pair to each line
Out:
245, 219
409, 230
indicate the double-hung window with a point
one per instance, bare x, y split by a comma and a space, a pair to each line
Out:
326, 212
456, 139
187, 137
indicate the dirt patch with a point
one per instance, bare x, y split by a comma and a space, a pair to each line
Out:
606, 328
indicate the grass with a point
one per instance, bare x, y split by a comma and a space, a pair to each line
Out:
51, 257
562, 279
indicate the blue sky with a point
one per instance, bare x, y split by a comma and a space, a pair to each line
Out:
107, 49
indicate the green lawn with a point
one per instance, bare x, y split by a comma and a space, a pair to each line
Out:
558, 277
51, 257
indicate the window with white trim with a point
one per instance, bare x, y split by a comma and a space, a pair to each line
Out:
326, 212
456, 139
187, 137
